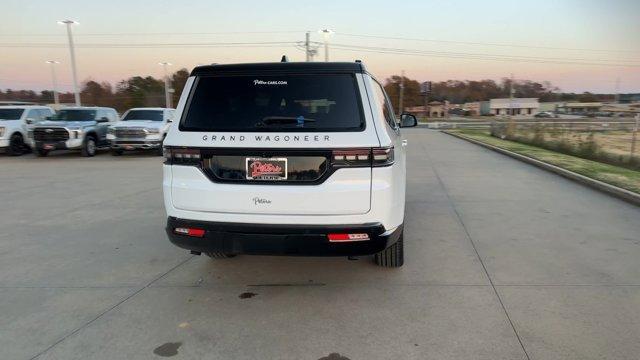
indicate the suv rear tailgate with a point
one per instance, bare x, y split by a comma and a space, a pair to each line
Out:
345, 192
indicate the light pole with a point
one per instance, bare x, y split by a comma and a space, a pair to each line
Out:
325, 34
56, 99
72, 52
167, 94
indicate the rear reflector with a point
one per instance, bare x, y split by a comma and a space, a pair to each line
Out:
347, 237
189, 232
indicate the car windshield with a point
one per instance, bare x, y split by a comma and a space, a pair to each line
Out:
310, 103
152, 115
11, 114
75, 115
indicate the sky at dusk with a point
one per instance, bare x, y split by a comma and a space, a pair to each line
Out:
578, 45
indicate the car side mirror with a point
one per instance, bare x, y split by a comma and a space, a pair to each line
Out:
408, 120
103, 119
30, 121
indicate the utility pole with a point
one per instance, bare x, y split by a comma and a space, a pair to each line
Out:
72, 52
326, 33
511, 97
307, 45
634, 137
167, 90
401, 100
54, 80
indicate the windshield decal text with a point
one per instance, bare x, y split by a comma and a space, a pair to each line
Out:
270, 82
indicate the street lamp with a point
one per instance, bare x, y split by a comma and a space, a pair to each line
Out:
325, 34
56, 99
68, 23
167, 94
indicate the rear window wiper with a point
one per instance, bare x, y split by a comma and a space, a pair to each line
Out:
281, 120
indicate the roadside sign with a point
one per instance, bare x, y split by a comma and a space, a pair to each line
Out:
425, 87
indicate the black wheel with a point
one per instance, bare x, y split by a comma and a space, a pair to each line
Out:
219, 255
89, 146
16, 145
393, 256
159, 149
42, 152
116, 152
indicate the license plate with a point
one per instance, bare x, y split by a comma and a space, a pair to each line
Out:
49, 146
269, 169
129, 147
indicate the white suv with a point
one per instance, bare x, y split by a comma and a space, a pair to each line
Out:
140, 128
15, 122
286, 158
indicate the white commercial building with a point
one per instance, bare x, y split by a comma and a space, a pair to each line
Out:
515, 106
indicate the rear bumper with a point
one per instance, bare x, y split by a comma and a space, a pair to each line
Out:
268, 239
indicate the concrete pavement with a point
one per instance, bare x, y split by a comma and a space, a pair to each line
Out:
504, 261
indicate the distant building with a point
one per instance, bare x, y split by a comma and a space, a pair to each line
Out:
628, 98
515, 106
478, 108
435, 109
578, 107
551, 106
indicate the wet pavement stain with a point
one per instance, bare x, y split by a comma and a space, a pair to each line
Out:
167, 349
247, 295
334, 356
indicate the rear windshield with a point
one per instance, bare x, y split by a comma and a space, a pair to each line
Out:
75, 115
10, 114
310, 103
153, 115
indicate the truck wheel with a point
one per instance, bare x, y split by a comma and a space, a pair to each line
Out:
116, 152
393, 256
89, 146
42, 152
159, 151
16, 145
219, 255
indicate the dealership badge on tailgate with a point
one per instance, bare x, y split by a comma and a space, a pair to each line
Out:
266, 169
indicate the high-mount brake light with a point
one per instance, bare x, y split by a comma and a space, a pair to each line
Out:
181, 156
362, 157
189, 232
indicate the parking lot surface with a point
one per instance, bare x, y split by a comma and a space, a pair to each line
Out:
503, 261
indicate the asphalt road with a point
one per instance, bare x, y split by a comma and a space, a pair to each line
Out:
503, 261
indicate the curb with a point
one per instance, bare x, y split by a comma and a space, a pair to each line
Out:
618, 192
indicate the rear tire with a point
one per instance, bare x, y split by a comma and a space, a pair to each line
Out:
89, 146
42, 152
16, 145
219, 255
393, 256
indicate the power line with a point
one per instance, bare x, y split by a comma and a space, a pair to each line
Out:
151, 45
477, 56
161, 33
483, 43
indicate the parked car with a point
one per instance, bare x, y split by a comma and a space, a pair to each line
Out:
15, 122
75, 128
286, 158
544, 114
140, 128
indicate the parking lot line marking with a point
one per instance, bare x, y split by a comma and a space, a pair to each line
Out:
475, 249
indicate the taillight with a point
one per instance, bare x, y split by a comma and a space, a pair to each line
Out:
362, 157
181, 156
189, 232
382, 156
